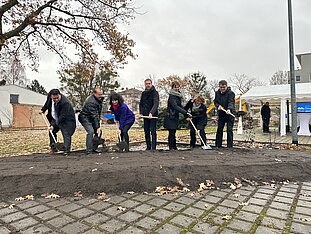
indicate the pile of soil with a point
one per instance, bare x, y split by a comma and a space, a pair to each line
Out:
143, 171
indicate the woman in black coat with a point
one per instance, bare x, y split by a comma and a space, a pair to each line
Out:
171, 120
199, 118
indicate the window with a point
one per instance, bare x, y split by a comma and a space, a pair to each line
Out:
297, 78
13, 98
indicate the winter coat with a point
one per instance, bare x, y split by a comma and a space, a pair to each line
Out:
265, 112
124, 115
199, 117
48, 106
226, 100
91, 111
149, 102
66, 115
171, 120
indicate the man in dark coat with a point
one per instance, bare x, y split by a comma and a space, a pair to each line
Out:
89, 117
265, 115
225, 104
148, 106
171, 120
61, 116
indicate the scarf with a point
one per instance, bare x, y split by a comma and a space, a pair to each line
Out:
115, 108
195, 107
175, 93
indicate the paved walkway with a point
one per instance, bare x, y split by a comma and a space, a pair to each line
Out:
284, 208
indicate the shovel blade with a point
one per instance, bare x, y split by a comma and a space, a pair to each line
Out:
207, 147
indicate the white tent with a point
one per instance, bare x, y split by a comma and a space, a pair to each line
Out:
278, 94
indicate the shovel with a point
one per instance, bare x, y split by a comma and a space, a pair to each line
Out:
205, 146
223, 109
58, 146
122, 145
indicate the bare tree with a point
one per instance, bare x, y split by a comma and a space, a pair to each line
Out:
279, 77
27, 25
243, 83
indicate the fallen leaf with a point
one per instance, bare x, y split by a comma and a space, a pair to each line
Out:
95, 169
29, 197
30, 168
77, 194
236, 195
226, 217
45, 194
121, 208
145, 193
101, 196
305, 219
181, 182
131, 192
244, 203
278, 160
11, 206
233, 187
19, 199
185, 189
52, 196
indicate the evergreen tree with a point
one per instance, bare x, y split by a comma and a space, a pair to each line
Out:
37, 87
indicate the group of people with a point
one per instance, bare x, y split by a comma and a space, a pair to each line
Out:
61, 116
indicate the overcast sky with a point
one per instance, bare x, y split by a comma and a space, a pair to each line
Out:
216, 37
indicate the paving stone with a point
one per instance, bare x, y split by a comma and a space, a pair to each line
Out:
59, 202
99, 205
148, 223
82, 213
37, 209
6, 211
162, 214
243, 192
142, 198
87, 201
214, 219
185, 200
266, 190
4, 230
112, 225
257, 201
304, 203
264, 230
27, 204
308, 184
253, 208
70, 207
205, 228
13, 217
230, 203
113, 211
240, 197
223, 210
262, 196
173, 206
144, 208
280, 206
305, 191
203, 205
48, 214
229, 231
96, 219
24, 223
168, 197
303, 210
305, 196
247, 216
37, 229
169, 229
240, 225
129, 216
286, 194
218, 193
116, 199
61, 221
93, 231
301, 217
157, 202
283, 199
182, 220
129, 203
193, 211
132, 230
76, 227
277, 213
211, 199
300, 228
288, 190
273, 223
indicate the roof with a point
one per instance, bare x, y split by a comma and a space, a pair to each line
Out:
277, 92
299, 56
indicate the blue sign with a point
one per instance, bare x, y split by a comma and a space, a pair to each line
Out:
303, 107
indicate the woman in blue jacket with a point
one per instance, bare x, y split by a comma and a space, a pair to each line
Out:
123, 115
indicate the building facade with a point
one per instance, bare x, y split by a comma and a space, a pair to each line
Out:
303, 75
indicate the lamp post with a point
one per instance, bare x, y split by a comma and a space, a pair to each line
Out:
292, 75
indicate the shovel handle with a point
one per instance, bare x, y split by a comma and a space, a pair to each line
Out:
223, 109
196, 130
147, 117
48, 125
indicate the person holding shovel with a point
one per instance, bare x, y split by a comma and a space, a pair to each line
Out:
148, 109
225, 104
61, 117
174, 107
89, 117
199, 119
123, 115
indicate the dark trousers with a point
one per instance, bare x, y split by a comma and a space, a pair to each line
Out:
172, 139
54, 132
91, 131
67, 131
124, 133
220, 128
150, 129
193, 134
265, 124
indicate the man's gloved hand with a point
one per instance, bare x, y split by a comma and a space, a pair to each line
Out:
189, 115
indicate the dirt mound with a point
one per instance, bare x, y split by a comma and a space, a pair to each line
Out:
145, 170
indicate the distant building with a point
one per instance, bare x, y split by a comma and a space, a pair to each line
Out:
303, 75
132, 97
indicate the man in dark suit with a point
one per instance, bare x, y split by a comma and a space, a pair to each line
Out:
61, 117
265, 115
